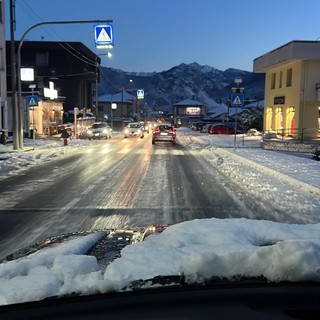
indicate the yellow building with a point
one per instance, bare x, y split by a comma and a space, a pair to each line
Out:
292, 89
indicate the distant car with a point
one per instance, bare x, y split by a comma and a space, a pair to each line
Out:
220, 129
198, 126
253, 132
134, 129
316, 155
145, 126
164, 132
270, 135
99, 130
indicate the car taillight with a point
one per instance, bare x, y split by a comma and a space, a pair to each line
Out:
156, 131
172, 132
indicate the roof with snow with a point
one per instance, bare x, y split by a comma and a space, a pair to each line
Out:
122, 96
189, 102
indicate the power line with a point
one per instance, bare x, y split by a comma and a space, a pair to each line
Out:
64, 44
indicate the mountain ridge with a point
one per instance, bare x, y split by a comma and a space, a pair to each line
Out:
207, 84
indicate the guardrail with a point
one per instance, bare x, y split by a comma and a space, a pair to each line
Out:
293, 134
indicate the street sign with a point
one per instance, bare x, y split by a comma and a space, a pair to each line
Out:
140, 94
32, 101
237, 99
103, 35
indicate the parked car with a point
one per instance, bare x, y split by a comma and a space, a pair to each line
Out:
199, 126
164, 132
134, 129
220, 129
99, 130
253, 132
316, 155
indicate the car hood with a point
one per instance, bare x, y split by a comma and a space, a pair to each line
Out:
197, 251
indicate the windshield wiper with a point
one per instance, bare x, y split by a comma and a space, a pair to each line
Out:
181, 281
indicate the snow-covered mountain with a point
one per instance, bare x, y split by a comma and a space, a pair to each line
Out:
204, 83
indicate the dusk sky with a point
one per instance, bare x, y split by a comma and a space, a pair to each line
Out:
155, 35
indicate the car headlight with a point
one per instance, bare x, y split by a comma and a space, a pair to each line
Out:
139, 130
126, 131
89, 131
104, 131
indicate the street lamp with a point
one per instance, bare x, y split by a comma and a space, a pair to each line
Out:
17, 121
97, 65
32, 87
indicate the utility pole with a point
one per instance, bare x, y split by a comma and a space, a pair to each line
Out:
18, 132
13, 77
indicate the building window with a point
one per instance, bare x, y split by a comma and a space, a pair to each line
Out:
289, 77
280, 80
273, 81
42, 59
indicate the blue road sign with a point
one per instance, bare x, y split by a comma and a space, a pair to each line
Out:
237, 99
140, 94
103, 35
32, 101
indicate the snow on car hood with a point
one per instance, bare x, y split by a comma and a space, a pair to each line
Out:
198, 249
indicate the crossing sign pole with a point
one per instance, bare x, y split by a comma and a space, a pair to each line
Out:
237, 100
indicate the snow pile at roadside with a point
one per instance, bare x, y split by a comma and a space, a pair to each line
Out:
199, 249
12, 161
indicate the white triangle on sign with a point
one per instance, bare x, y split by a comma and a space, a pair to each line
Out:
32, 102
237, 100
103, 36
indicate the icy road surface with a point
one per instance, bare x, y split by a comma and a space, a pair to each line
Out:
123, 183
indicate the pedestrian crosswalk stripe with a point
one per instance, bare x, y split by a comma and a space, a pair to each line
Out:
178, 152
124, 151
142, 151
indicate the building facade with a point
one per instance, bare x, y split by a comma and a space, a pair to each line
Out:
65, 76
292, 89
119, 107
188, 110
3, 73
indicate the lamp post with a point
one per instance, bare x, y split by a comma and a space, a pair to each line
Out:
17, 121
32, 87
97, 66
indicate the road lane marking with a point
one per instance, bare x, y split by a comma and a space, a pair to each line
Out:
178, 152
124, 151
71, 204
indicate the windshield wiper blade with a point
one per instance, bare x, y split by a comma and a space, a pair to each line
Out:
169, 280
181, 281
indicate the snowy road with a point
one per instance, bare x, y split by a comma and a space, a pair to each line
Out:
123, 183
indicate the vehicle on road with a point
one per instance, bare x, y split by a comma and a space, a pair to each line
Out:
134, 129
220, 129
99, 130
316, 155
164, 132
145, 126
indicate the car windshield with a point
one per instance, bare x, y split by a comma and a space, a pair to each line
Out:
162, 128
204, 162
99, 125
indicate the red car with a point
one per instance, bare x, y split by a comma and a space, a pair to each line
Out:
220, 129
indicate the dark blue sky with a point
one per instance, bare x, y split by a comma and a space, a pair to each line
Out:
154, 35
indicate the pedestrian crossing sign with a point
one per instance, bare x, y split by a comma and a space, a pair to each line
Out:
103, 36
237, 99
32, 101
140, 94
